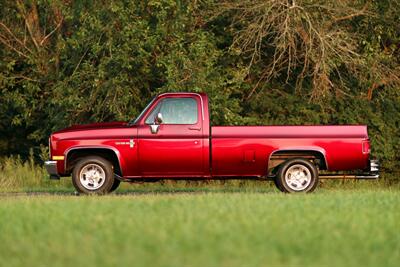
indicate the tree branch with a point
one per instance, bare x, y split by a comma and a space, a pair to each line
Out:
356, 14
53, 31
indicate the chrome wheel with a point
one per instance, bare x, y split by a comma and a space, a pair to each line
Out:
298, 177
92, 176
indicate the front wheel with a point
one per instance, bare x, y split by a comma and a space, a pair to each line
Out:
93, 175
297, 175
115, 185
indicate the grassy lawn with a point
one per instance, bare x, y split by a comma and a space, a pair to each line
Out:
218, 223
249, 228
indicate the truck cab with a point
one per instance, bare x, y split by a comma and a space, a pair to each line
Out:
173, 137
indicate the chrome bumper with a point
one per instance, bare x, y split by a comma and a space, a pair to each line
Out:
374, 166
373, 172
51, 168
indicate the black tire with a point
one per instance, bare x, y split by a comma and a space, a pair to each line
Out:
277, 183
304, 168
115, 185
275, 179
103, 166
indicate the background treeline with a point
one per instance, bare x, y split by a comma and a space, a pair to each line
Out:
261, 61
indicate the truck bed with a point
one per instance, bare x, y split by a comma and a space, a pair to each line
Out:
247, 149
342, 131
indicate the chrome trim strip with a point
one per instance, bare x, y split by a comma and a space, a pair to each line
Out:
348, 176
376, 176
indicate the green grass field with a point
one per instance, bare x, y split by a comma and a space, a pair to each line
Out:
330, 227
235, 223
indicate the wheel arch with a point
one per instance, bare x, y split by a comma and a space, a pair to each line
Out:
278, 156
73, 154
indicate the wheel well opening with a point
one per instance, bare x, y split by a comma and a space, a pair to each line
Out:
75, 155
279, 157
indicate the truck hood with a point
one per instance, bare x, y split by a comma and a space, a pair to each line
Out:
92, 126
109, 130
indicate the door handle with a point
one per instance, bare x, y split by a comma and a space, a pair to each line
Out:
195, 128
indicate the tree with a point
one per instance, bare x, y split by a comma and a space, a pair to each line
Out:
307, 42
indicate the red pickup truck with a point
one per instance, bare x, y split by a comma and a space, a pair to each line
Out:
173, 138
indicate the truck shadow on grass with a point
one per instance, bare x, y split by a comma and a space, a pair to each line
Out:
262, 187
132, 192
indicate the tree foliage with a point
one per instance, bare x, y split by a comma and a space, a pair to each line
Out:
307, 42
261, 62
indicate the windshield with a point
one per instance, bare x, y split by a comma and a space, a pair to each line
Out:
132, 122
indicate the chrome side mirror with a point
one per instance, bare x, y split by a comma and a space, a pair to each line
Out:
158, 119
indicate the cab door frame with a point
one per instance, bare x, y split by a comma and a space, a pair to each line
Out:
176, 150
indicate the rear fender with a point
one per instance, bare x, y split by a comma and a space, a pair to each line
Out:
317, 152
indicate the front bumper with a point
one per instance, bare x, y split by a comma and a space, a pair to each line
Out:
51, 168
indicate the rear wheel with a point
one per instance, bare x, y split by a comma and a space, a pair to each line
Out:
93, 175
297, 175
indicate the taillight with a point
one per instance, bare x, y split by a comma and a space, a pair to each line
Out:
366, 148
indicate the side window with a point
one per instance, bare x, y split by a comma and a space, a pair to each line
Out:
153, 113
176, 111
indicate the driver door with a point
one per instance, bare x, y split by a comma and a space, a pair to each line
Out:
174, 147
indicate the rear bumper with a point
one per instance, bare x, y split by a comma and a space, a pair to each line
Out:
372, 172
51, 168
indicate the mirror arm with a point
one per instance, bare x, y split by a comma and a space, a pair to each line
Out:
154, 128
